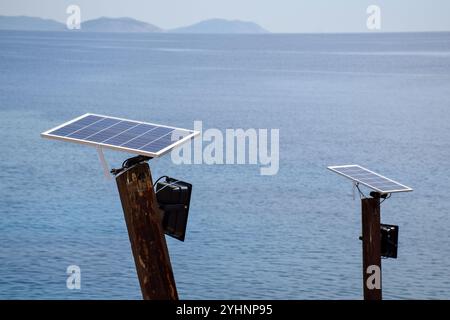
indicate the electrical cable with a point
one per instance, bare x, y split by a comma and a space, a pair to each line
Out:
387, 197
154, 184
361, 194
129, 163
167, 185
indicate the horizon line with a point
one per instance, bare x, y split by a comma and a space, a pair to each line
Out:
225, 19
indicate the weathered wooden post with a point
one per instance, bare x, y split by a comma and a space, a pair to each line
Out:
371, 248
148, 243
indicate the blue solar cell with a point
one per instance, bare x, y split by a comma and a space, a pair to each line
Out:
112, 131
77, 125
129, 134
163, 142
387, 186
147, 137
93, 128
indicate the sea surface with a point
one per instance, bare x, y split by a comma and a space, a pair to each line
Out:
378, 100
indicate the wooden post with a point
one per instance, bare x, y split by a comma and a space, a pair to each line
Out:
371, 241
148, 243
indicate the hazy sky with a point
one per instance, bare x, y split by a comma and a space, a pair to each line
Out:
274, 15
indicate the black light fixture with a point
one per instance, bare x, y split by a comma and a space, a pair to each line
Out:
389, 241
174, 197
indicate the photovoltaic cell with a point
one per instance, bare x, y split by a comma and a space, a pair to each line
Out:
75, 126
370, 179
147, 137
121, 134
92, 129
127, 135
163, 141
114, 130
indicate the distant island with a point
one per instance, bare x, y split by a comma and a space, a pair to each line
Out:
221, 26
118, 25
123, 25
23, 23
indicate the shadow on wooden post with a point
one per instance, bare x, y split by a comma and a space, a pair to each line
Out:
148, 243
371, 240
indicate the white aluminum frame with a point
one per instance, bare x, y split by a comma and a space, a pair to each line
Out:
334, 169
160, 153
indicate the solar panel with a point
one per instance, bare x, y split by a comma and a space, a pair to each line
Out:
137, 137
370, 179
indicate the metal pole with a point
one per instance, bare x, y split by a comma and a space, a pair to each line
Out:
371, 242
148, 243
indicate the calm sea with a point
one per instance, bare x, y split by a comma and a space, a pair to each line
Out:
379, 100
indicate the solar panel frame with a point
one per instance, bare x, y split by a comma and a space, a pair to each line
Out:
386, 181
190, 134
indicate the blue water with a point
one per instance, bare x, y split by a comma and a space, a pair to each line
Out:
379, 100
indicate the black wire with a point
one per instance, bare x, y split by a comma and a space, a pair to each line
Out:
154, 184
130, 162
388, 196
361, 194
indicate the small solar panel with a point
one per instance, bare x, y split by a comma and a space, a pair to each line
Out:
137, 137
370, 179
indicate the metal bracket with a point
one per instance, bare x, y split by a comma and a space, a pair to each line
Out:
103, 162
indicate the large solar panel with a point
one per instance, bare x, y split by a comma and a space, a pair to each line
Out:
370, 179
137, 137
